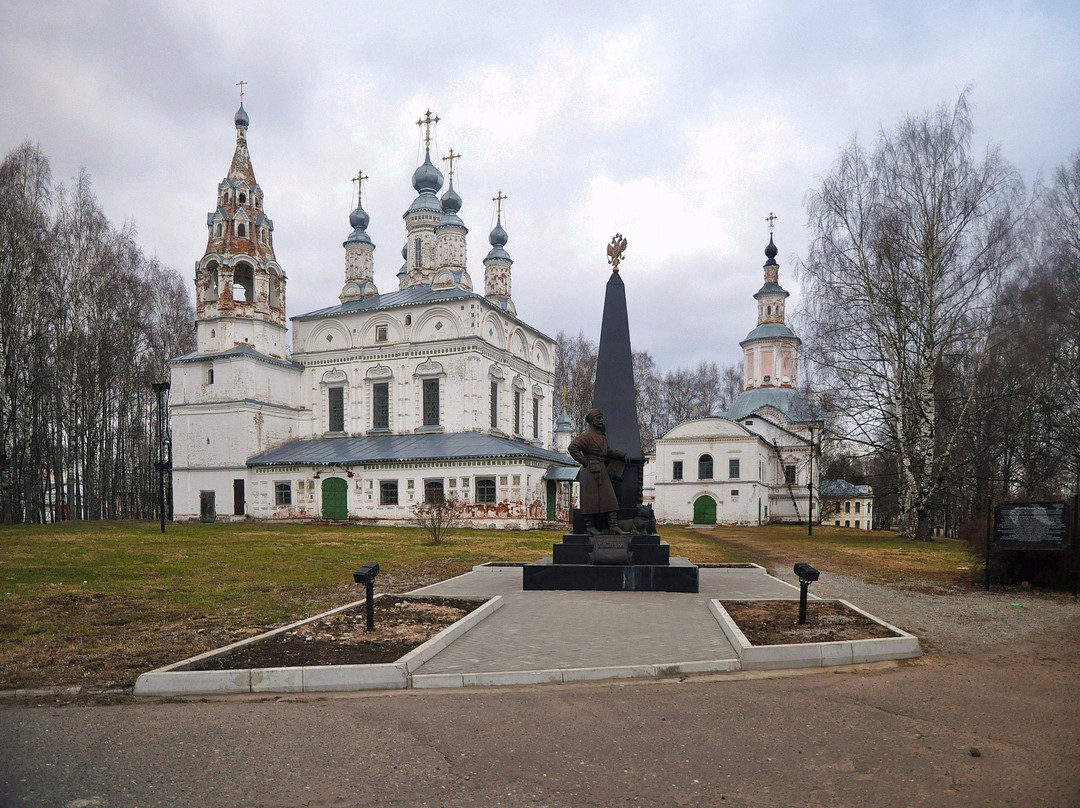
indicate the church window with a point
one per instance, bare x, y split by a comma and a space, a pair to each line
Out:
217, 232
536, 419
382, 333
517, 479
485, 490
243, 198
494, 405
704, 467
676, 470
431, 402
789, 475
337, 409
416, 253
502, 479
283, 493
244, 283
433, 492
241, 230
734, 494
209, 375
213, 333
517, 412
766, 378
275, 291
408, 319
733, 468
388, 494
380, 405
768, 310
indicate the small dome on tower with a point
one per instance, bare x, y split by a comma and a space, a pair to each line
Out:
770, 253
359, 220
451, 202
241, 118
427, 177
498, 238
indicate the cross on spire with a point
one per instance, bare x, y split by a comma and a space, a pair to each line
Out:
427, 121
770, 219
241, 84
450, 158
359, 180
498, 199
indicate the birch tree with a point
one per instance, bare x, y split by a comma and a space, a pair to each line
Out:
911, 243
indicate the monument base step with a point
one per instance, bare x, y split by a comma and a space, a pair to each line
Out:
677, 576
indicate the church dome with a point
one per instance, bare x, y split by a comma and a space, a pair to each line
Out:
241, 118
451, 202
359, 218
427, 177
497, 239
770, 253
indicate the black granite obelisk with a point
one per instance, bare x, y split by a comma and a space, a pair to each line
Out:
628, 555
613, 392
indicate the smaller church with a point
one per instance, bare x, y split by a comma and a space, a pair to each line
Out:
386, 399
753, 464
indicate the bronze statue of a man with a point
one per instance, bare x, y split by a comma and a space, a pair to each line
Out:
592, 451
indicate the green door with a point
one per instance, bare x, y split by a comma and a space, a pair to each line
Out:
705, 511
552, 493
335, 500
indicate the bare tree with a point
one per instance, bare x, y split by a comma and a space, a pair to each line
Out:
438, 517
575, 373
912, 242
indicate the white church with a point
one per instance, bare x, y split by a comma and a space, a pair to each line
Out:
385, 400
753, 464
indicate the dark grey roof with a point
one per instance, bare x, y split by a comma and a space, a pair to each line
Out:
786, 399
842, 488
562, 473
772, 287
412, 296
769, 330
236, 350
403, 448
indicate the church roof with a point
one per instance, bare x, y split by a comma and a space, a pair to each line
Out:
236, 350
404, 448
842, 488
766, 330
786, 399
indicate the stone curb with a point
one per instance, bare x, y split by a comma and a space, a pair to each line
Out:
179, 679
425, 681
70, 691
821, 654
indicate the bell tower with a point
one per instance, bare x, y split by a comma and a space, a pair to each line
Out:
239, 285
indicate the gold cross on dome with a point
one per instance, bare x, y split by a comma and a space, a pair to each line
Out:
241, 84
770, 219
450, 158
359, 180
427, 122
498, 199
564, 392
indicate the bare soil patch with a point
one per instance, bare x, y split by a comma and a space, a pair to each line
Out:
401, 624
776, 622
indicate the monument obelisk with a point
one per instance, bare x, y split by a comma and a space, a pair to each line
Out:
613, 390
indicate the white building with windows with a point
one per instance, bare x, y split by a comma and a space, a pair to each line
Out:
844, 504
386, 399
753, 464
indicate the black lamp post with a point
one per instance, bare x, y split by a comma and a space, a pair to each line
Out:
810, 489
160, 388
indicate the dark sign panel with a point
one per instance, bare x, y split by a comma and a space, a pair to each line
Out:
1034, 525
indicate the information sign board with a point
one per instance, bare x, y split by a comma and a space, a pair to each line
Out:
1032, 525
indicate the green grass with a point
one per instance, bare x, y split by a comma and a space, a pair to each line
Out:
100, 602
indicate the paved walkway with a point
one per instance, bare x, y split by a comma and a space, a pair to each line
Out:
545, 631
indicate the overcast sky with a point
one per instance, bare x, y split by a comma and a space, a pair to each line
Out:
680, 125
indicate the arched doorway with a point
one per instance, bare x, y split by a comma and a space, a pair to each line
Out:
335, 498
705, 510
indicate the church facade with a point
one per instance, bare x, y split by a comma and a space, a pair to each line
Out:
386, 400
753, 464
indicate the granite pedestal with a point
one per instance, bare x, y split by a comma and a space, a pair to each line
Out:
612, 564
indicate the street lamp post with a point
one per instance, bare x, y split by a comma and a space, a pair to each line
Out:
160, 388
810, 489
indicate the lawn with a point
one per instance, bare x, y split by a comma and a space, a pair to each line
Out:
98, 603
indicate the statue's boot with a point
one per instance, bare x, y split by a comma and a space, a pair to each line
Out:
613, 525
590, 526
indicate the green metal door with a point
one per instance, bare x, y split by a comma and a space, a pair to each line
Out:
705, 511
335, 499
552, 493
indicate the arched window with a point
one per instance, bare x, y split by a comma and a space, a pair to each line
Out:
243, 197
218, 232
768, 310
210, 375
416, 253
241, 230
244, 284
704, 467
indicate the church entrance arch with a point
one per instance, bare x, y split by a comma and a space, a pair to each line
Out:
705, 510
335, 500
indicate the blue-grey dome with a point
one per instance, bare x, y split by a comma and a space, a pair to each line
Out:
771, 288
770, 253
359, 218
767, 330
498, 238
786, 399
451, 202
241, 119
427, 177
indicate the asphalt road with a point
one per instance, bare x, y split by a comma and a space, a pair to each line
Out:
900, 735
